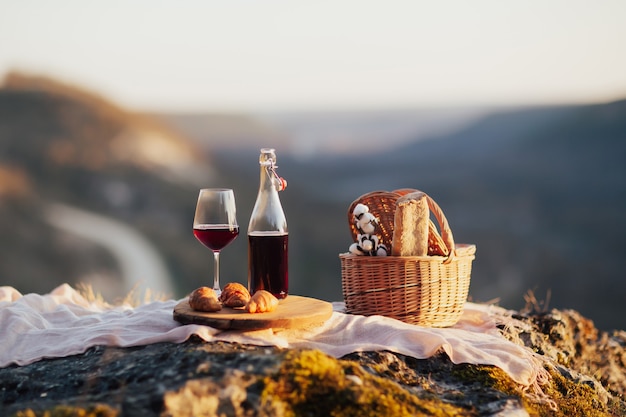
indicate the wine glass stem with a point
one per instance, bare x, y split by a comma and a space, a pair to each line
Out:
216, 271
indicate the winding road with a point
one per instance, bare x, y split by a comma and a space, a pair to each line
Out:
140, 263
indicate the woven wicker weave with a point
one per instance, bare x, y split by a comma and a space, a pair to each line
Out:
424, 290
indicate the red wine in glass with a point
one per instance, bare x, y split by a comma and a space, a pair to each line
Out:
215, 224
215, 236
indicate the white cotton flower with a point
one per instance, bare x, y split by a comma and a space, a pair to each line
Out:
360, 209
367, 223
368, 228
354, 249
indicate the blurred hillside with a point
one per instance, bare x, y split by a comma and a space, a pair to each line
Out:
540, 191
60, 144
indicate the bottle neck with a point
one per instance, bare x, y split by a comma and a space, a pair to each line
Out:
267, 215
266, 178
267, 165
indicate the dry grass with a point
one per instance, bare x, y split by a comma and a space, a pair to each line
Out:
533, 305
134, 298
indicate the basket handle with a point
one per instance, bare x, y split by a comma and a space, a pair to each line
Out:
446, 232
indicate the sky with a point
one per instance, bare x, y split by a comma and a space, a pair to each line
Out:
280, 55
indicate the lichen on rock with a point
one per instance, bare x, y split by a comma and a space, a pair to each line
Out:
312, 383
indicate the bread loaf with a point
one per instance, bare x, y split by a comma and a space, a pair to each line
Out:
410, 230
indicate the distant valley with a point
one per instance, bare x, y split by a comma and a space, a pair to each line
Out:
306, 135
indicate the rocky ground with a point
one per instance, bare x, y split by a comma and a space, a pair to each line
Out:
588, 378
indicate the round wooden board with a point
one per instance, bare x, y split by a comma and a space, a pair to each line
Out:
292, 312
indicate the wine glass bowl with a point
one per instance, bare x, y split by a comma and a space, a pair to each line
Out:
215, 224
215, 237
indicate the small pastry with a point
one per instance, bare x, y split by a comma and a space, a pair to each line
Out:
204, 299
262, 302
234, 295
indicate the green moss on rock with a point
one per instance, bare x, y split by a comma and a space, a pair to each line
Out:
97, 410
571, 398
310, 382
577, 399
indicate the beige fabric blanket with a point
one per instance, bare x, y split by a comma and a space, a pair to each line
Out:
64, 323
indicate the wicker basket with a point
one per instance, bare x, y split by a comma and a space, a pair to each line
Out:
423, 290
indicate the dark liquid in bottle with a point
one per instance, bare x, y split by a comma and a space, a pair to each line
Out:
215, 237
267, 263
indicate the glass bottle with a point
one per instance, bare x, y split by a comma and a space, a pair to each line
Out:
268, 236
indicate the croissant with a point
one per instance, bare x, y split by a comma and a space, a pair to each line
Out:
234, 295
204, 299
262, 302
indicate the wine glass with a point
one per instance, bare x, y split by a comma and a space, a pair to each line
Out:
215, 224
